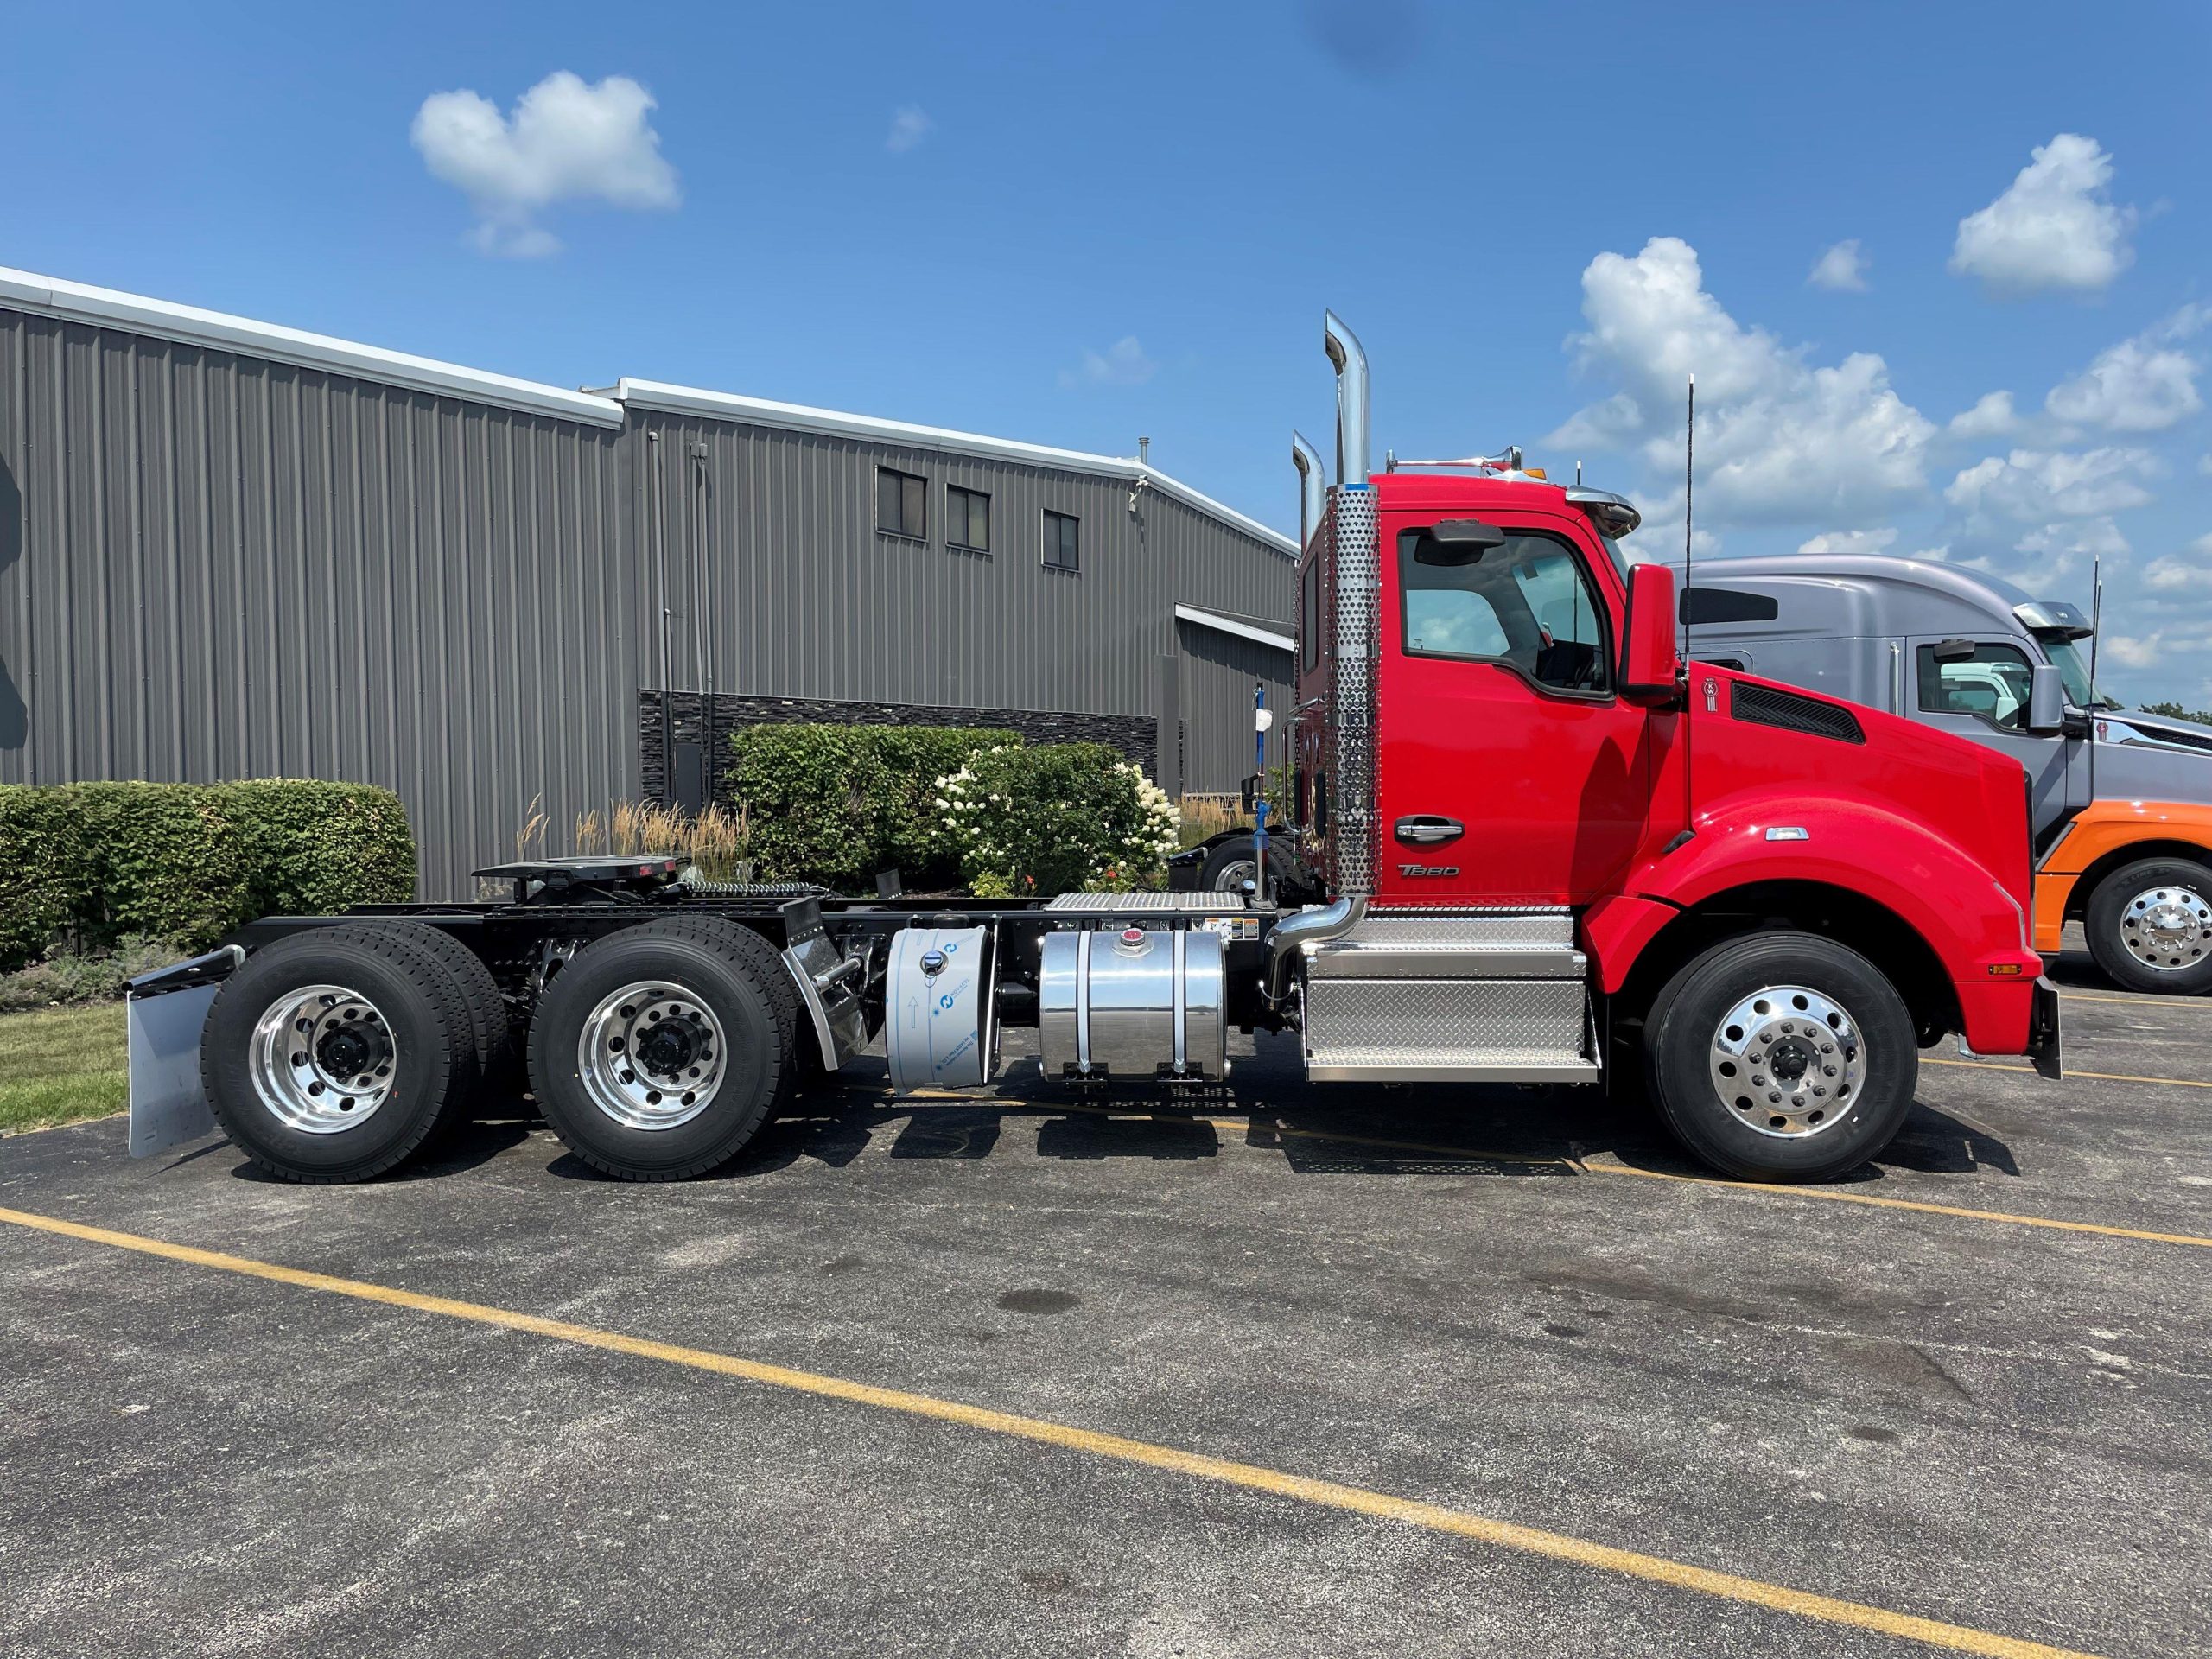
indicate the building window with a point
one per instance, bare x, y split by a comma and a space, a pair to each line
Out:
1061, 547
967, 518
902, 503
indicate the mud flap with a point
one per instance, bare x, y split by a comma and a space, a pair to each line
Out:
2044, 1049
164, 1018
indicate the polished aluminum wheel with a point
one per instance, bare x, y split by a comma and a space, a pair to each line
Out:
322, 1059
1788, 1061
2166, 929
1235, 874
651, 1055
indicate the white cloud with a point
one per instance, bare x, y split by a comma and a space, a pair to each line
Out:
2030, 484
1121, 364
566, 141
2188, 571
909, 125
1777, 440
1832, 543
1843, 267
2134, 651
2142, 385
2053, 228
1991, 416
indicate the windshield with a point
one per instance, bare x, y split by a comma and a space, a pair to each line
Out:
1614, 552
2066, 657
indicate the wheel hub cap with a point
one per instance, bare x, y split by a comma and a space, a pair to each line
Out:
1788, 1061
322, 1059
2167, 928
651, 1055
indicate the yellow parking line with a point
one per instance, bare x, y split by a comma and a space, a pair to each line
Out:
2194, 1004
1585, 1167
2098, 1077
1328, 1494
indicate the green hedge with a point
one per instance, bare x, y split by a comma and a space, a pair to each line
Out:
837, 804
189, 862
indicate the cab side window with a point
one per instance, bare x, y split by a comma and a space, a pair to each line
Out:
1527, 604
1991, 683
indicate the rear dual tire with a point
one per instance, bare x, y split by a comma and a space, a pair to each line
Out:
659, 1051
335, 1055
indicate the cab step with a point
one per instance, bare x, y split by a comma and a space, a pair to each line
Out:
1465, 996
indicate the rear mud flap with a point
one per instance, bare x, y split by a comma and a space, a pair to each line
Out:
164, 1018
2044, 1047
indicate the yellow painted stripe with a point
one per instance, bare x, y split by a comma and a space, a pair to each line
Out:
2098, 1077
2192, 1004
1584, 1166
1329, 1494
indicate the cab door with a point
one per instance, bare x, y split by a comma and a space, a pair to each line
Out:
1977, 687
1510, 772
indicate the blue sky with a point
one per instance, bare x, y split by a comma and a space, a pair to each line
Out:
1078, 226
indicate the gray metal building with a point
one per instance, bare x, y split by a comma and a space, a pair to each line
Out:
229, 549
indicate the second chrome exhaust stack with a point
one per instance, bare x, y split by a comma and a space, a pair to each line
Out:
1312, 487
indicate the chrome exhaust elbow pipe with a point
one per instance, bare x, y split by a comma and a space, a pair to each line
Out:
1312, 487
1308, 927
1343, 349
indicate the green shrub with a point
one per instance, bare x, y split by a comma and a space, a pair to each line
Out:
314, 847
837, 804
165, 860
67, 977
1056, 818
93, 864
45, 878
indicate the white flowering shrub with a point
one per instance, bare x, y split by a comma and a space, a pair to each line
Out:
1059, 818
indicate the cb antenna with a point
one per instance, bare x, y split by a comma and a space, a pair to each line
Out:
1690, 484
1689, 488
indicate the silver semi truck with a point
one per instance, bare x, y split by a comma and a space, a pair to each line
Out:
2122, 801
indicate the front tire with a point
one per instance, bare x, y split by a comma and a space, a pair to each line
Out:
1782, 1056
2150, 926
661, 1050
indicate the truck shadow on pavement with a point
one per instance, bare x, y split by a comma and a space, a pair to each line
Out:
1506, 1133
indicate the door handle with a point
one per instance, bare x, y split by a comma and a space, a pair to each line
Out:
1427, 829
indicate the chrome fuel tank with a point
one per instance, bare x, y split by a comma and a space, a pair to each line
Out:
1139, 1002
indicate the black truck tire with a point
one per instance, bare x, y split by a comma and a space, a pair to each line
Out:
661, 1050
1782, 1056
2150, 926
333, 1054
488, 1009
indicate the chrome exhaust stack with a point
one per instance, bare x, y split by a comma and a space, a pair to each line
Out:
1354, 647
1351, 361
1312, 487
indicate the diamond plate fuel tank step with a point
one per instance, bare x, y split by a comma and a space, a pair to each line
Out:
1480, 996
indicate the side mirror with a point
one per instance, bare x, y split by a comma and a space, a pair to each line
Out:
1457, 542
1650, 665
1249, 794
1952, 651
2046, 699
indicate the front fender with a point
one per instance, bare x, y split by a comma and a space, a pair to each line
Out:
1975, 926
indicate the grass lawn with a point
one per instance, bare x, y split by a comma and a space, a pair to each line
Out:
61, 1065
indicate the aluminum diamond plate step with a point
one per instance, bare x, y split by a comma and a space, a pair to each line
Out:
1462, 944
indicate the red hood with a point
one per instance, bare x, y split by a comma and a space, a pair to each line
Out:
1749, 733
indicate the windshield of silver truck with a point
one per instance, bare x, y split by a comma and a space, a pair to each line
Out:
2073, 668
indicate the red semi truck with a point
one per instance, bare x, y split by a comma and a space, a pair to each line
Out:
1534, 846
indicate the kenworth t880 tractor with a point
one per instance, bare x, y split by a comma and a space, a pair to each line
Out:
1534, 846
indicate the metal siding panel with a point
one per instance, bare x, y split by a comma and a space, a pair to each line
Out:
214, 567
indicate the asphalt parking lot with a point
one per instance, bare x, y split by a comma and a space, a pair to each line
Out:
1287, 1371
